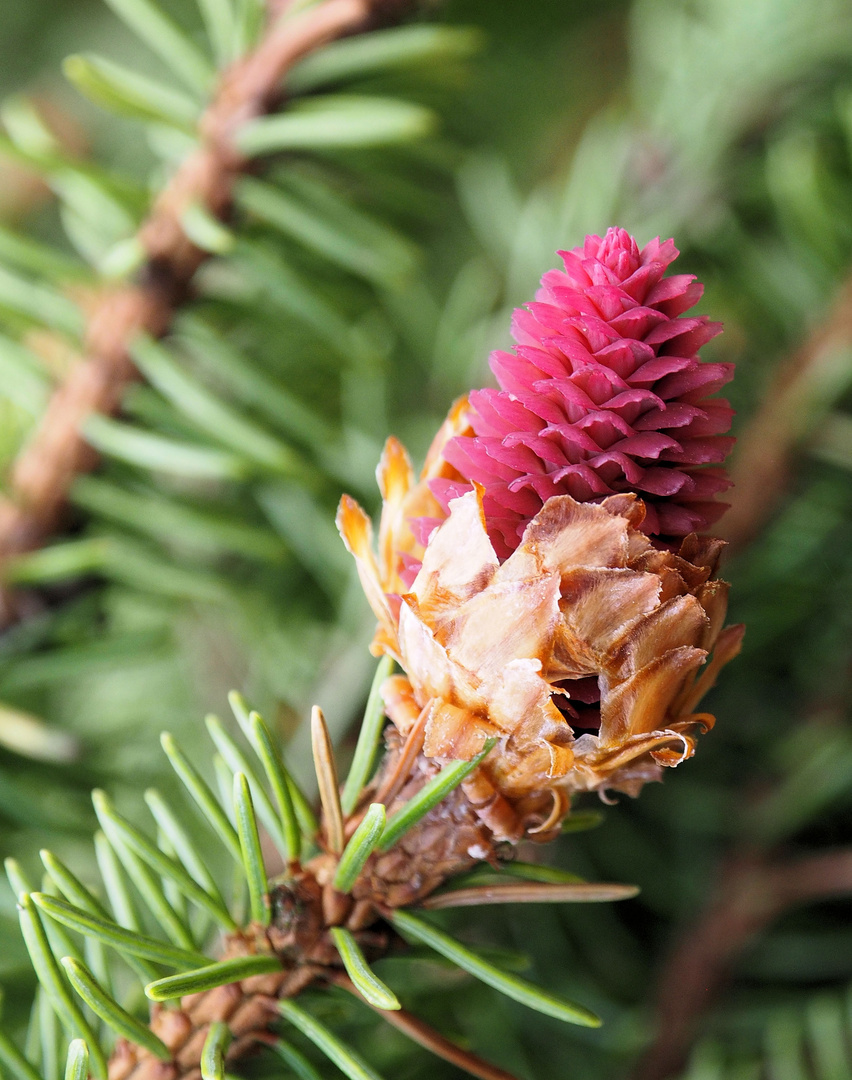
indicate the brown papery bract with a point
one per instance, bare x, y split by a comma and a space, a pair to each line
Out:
580, 652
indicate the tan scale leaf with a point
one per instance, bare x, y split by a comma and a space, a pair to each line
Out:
454, 733
568, 533
600, 606
425, 659
357, 532
635, 706
622, 764
502, 623
396, 478
400, 703
679, 621
458, 563
713, 597
727, 646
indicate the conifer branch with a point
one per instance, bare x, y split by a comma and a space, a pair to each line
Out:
250, 88
322, 923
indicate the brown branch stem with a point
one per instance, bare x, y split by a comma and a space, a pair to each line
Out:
430, 1039
752, 893
804, 387
44, 471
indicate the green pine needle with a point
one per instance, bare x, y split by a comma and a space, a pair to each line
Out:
17, 878
127, 93
168, 41
374, 257
40, 304
280, 782
206, 231
213, 1052
250, 22
294, 1059
360, 972
344, 1057
249, 382
361, 845
334, 122
59, 940
27, 253
219, 23
369, 735
383, 50
307, 818
149, 451
24, 385
184, 848
550, 875
131, 942
47, 1032
203, 796
237, 762
70, 885
115, 884
582, 821
213, 416
77, 1061
120, 901
15, 1062
149, 888
168, 867
210, 976
261, 910
225, 784
112, 1014
58, 562
518, 989
54, 983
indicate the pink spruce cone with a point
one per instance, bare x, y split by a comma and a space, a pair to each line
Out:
541, 584
603, 394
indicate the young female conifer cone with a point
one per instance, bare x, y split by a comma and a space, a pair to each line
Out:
543, 583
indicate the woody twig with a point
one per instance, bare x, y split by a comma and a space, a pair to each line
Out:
805, 386
43, 473
753, 892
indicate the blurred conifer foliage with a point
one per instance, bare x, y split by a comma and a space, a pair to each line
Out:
406, 199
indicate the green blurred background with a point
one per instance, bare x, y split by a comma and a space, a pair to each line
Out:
726, 124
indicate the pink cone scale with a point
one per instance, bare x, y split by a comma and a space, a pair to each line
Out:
604, 393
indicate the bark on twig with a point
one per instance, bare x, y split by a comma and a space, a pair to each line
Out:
426, 1036
44, 471
805, 386
752, 893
